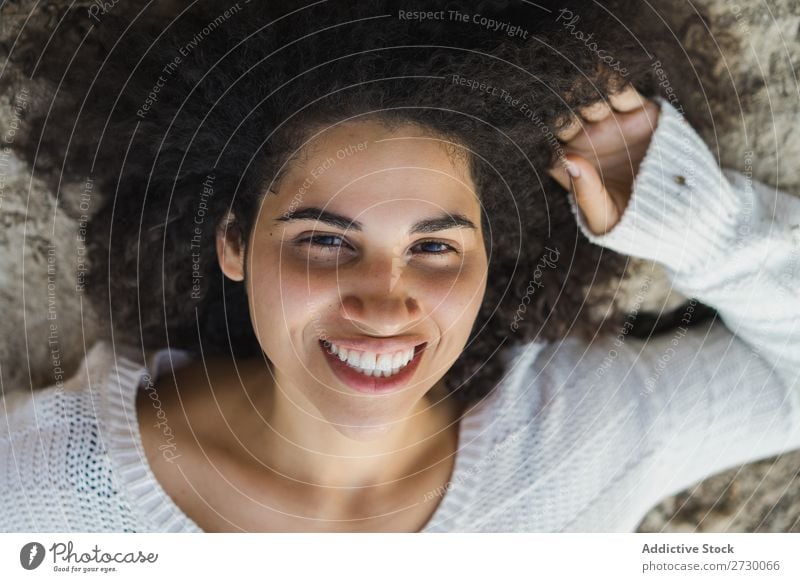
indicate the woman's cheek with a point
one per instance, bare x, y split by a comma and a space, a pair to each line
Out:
454, 294
309, 298
277, 299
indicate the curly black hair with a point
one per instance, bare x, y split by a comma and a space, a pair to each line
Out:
149, 107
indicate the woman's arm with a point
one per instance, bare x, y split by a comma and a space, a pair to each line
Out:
723, 238
712, 397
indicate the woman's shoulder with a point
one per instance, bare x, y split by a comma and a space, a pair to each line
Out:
52, 441
44, 407
571, 383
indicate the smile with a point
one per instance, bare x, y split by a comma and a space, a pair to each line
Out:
371, 363
369, 371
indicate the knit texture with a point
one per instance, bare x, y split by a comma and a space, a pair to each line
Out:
576, 437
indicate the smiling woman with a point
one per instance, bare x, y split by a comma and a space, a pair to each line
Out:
385, 258
278, 108
373, 250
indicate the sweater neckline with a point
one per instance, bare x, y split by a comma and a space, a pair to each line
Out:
154, 505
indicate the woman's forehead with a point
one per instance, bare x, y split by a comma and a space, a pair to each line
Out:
374, 145
360, 165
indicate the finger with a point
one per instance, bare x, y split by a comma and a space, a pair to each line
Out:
563, 172
570, 128
596, 112
618, 134
580, 177
627, 100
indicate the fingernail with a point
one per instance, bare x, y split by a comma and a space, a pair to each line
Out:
573, 170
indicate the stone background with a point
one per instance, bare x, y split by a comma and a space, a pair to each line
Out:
759, 43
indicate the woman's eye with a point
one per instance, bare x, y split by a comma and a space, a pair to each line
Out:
326, 242
334, 244
435, 247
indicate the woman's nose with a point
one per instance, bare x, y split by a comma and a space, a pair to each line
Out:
379, 296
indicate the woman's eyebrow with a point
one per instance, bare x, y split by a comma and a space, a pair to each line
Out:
427, 225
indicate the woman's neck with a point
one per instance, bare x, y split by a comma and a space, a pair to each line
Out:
242, 438
295, 442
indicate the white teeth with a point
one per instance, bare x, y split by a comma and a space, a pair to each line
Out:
384, 363
367, 361
370, 363
353, 358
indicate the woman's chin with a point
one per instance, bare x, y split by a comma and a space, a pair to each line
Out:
364, 433
368, 425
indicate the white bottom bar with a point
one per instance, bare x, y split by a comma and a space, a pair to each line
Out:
400, 557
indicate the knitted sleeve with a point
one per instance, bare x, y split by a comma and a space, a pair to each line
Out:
709, 398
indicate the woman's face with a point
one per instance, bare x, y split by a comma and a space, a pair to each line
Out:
373, 243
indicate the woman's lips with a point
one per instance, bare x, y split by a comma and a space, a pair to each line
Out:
373, 384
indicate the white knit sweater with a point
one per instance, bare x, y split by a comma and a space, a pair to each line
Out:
576, 437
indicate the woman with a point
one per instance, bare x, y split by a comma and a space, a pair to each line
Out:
359, 293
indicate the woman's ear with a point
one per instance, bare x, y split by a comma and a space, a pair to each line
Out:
230, 248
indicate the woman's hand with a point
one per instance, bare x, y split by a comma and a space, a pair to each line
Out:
603, 148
